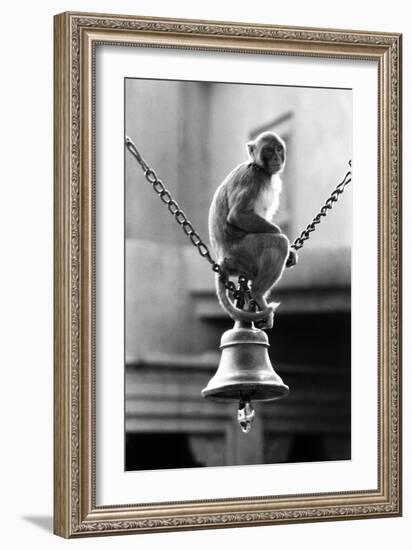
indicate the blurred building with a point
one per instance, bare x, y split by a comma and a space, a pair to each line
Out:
193, 134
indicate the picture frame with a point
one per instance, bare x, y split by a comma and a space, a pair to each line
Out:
77, 512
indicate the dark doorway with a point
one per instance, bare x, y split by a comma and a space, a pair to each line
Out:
155, 451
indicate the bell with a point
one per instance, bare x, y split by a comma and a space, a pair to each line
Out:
245, 371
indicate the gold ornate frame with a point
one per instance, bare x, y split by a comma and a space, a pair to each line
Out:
75, 510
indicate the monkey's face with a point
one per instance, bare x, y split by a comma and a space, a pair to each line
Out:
269, 152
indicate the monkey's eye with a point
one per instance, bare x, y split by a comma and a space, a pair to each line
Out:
279, 148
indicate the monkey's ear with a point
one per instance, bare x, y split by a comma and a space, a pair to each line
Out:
251, 148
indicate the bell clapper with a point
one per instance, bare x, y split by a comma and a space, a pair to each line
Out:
245, 415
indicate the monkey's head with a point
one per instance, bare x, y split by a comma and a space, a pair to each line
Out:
268, 151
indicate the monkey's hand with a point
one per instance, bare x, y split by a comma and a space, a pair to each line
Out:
292, 259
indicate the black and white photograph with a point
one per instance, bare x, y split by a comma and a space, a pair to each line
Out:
206, 300
238, 238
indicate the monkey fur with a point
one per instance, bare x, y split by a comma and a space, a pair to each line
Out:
242, 236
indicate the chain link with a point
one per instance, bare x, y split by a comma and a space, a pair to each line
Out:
179, 216
304, 236
195, 238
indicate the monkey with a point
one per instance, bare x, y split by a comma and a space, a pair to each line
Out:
242, 236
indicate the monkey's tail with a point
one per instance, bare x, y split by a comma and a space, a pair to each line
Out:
239, 314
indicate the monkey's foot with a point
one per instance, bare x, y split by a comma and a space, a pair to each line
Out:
266, 323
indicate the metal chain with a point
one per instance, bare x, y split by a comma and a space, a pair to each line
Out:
304, 236
180, 216
194, 237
